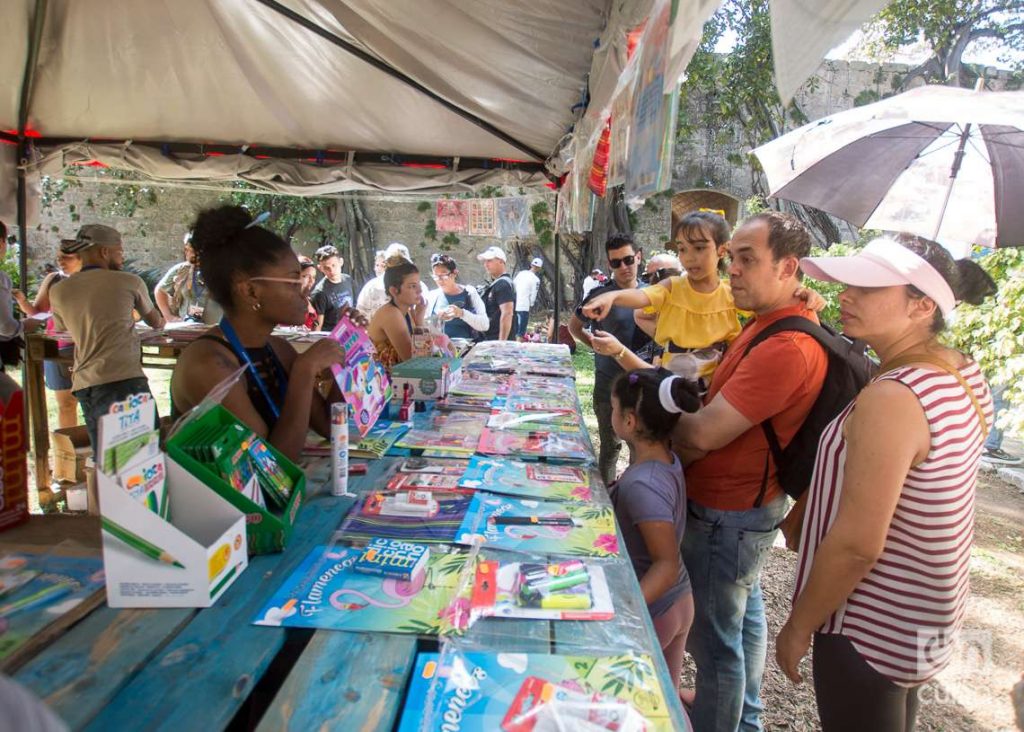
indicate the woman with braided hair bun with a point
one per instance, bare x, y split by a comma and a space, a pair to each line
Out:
256, 277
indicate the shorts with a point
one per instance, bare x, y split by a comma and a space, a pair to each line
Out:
57, 374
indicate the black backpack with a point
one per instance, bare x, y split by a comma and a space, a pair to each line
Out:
849, 371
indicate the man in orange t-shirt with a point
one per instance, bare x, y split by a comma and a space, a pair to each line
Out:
735, 502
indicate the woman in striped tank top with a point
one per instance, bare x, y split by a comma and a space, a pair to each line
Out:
882, 577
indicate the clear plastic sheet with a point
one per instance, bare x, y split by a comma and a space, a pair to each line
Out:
475, 691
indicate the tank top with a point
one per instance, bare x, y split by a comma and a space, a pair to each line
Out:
268, 366
456, 327
904, 615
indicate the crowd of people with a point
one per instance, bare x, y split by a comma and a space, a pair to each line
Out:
883, 527
708, 362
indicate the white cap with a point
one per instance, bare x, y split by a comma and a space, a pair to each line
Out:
884, 263
492, 253
397, 248
537, 262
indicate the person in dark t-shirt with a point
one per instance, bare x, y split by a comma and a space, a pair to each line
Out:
499, 296
334, 291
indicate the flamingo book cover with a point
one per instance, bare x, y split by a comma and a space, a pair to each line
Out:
325, 591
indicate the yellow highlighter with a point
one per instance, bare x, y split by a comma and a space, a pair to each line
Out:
565, 602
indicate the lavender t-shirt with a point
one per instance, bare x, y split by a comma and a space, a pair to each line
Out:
652, 491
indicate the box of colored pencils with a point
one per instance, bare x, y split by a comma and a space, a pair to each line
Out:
245, 470
182, 549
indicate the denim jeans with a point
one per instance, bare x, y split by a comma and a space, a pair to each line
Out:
96, 401
520, 322
723, 552
608, 452
995, 437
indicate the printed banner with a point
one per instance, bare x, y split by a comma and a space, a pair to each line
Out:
452, 216
513, 218
481, 217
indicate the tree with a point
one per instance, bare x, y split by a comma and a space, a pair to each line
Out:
948, 29
733, 97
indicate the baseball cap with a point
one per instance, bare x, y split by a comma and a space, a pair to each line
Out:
537, 262
93, 235
492, 253
884, 263
67, 246
596, 271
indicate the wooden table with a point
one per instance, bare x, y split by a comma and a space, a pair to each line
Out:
210, 669
39, 347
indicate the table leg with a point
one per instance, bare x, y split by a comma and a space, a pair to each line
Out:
35, 395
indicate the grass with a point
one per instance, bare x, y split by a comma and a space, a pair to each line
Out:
583, 362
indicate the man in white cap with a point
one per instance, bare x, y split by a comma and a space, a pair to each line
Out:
499, 296
591, 281
527, 284
95, 306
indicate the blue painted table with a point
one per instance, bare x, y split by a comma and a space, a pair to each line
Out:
212, 669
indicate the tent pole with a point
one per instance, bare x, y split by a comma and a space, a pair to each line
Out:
31, 58
396, 74
558, 272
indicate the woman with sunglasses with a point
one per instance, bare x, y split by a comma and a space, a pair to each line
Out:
460, 308
255, 276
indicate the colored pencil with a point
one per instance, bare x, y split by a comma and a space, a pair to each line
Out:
43, 597
139, 544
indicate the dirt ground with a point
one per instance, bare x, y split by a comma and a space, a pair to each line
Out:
973, 692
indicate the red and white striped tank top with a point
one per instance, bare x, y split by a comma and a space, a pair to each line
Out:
903, 616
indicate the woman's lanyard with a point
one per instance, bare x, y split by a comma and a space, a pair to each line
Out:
243, 355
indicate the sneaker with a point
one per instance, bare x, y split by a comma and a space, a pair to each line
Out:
1000, 457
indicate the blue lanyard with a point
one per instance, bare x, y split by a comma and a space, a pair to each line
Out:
236, 346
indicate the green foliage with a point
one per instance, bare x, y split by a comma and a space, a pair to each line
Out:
424, 206
540, 214
449, 241
291, 214
993, 332
947, 29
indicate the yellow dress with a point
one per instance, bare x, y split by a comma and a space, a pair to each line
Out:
693, 327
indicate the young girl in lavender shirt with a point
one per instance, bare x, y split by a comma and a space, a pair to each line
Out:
650, 499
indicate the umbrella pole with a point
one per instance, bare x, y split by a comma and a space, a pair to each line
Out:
958, 159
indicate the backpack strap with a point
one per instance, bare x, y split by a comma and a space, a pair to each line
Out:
800, 325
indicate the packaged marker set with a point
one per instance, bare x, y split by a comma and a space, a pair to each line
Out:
241, 458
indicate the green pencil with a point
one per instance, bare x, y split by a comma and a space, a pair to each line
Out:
140, 544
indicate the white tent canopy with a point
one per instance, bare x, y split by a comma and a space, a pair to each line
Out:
354, 90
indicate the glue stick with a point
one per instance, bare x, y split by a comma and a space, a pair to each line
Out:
339, 449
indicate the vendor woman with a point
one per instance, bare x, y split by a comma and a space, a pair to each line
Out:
392, 325
256, 278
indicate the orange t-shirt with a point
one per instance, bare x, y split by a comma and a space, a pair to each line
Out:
780, 379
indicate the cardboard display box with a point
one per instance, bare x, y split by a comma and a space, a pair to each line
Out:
267, 531
185, 561
13, 454
429, 377
70, 449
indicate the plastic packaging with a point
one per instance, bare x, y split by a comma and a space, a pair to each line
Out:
339, 449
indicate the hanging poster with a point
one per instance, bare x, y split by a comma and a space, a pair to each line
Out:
654, 112
452, 216
481, 217
513, 218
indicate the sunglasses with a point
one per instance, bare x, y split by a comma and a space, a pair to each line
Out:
653, 278
629, 261
287, 280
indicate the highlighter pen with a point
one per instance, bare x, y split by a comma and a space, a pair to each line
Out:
533, 521
560, 583
565, 602
554, 570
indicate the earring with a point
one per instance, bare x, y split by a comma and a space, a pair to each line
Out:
257, 306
